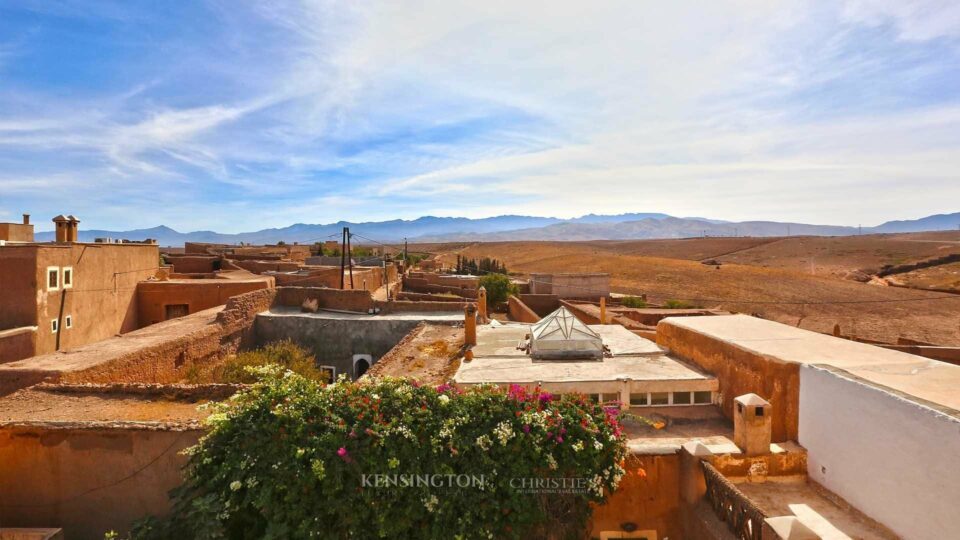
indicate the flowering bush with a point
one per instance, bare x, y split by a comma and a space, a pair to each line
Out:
291, 458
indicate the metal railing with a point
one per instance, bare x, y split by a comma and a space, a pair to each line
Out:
743, 518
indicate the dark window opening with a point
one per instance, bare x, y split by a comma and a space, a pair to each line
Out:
759, 411
172, 311
360, 367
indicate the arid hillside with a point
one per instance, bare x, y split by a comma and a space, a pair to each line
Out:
781, 290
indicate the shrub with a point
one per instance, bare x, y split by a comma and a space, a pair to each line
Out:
498, 286
284, 353
679, 304
633, 301
287, 458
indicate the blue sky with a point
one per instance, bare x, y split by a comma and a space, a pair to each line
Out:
237, 116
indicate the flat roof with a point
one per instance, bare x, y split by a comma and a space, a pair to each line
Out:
498, 360
289, 311
930, 380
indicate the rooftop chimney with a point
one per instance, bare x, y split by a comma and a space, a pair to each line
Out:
26, 219
62, 225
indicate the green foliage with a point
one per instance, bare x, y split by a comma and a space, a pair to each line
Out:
679, 304
286, 459
285, 353
633, 302
498, 286
485, 265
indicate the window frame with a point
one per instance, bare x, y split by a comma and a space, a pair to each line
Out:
63, 277
56, 270
333, 371
670, 400
68, 322
54, 326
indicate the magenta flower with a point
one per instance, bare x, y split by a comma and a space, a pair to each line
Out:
526, 428
342, 452
546, 396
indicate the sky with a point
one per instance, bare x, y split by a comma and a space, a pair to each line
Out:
237, 116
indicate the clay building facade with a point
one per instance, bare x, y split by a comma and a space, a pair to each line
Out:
64, 295
17, 232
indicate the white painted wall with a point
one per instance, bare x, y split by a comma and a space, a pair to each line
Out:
896, 460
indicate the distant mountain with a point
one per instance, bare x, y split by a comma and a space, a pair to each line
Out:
669, 227
938, 222
511, 227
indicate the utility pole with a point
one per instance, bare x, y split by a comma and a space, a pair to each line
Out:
343, 252
349, 257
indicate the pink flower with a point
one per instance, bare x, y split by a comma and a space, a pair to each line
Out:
559, 440
342, 452
546, 396
526, 428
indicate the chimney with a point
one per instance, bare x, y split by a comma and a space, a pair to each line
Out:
62, 226
74, 228
26, 219
482, 303
470, 325
752, 424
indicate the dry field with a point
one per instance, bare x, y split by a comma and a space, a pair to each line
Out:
777, 285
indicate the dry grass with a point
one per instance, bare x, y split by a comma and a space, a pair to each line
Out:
777, 293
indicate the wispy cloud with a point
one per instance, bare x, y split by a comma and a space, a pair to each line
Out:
319, 111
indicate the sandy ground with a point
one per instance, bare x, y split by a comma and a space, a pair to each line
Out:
430, 354
814, 302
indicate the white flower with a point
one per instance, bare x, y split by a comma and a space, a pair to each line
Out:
236, 485
503, 432
431, 503
598, 445
577, 446
484, 442
444, 399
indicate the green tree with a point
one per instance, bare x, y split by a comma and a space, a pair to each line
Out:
498, 286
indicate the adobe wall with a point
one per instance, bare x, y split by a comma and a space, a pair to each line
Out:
407, 306
423, 286
426, 297
17, 343
317, 277
541, 304
193, 264
198, 295
347, 300
16, 232
103, 299
519, 311
890, 456
260, 266
583, 285
650, 500
740, 372
88, 480
18, 276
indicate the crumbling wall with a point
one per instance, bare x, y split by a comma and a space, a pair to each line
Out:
88, 479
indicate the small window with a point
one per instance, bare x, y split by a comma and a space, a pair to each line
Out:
53, 278
329, 372
67, 278
68, 321
639, 400
681, 398
740, 408
659, 398
54, 326
703, 398
610, 398
759, 411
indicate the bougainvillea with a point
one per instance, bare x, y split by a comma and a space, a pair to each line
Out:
291, 458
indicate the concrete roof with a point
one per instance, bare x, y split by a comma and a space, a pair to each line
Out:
497, 360
930, 380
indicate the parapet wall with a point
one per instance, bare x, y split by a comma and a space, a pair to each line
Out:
739, 372
889, 455
541, 304
519, 311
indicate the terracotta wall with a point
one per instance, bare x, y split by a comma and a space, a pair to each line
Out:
260, 266
741, 372
103, 299
347, 300
318, 277
88, 481
426, 297
198, 295
423, 286
541, 304
18, 277
650, 499
193, 264
17, 343
16, 232
519, 311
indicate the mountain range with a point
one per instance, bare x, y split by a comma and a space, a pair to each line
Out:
512, 227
